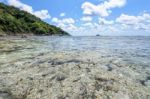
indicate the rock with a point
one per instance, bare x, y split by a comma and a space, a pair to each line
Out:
40, 91
88, 70
30, 78
109, 66
24, 36
77, 79
103, 79
60, 77
147, 83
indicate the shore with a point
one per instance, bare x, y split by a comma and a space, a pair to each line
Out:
27, 73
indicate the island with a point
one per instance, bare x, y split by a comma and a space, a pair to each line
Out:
97, 35
14, 21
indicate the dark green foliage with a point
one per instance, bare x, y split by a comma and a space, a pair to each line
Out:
14, 21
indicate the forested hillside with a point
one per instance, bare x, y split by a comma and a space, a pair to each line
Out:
17, 22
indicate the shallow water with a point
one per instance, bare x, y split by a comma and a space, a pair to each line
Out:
132, 49
125, 58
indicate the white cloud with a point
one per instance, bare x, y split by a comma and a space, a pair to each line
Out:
103, 9
113, 29
64, 20
126, 19
68, 21
103, 21
87, 28
136, 22
62, 14
123, 25
89, 24
70, 27
20, 5
65, 23
86, 18
43, 14
55, 20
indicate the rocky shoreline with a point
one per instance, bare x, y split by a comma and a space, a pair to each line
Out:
68, 75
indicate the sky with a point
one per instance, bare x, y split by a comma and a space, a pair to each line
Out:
92, 17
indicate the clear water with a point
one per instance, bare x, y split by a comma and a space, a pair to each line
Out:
137, 48
141, 44
128, 57
134, 49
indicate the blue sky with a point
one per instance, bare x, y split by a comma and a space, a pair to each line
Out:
91, 17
